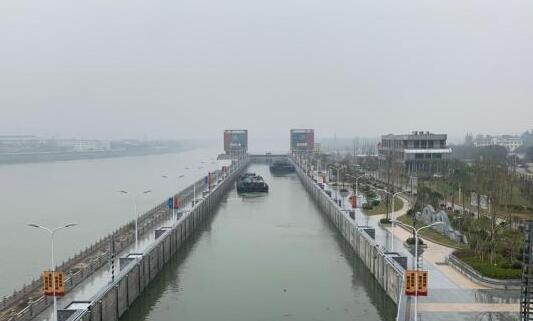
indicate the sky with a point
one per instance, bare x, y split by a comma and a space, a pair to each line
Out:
191, 68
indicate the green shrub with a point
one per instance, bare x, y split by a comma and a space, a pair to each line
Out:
411, 241
375, 203
495, 271
385, 221
367, 206
371, 195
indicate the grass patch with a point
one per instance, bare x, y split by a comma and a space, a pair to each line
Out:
494, 271
433, 235
382, 208
521, 207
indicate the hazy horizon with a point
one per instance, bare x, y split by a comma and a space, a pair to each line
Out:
190, 69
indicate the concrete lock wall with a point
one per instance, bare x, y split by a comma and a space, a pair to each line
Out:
114, 299
385, 270
82, 265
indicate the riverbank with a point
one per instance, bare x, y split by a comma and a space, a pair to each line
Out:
17, 158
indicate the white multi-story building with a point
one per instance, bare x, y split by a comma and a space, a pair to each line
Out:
418, 151
508, 141
83, 145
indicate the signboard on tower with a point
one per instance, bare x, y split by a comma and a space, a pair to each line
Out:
302, 140
235, 141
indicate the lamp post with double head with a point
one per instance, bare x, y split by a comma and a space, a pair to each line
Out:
415, 263
178, 178
52, 233
392, 218
134, 199
336, 167
356, 178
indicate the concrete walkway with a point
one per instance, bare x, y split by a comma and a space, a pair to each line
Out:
469, 307
101, 277
452, 296
434, 253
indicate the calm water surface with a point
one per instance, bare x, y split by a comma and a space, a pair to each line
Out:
84, 192
273, 257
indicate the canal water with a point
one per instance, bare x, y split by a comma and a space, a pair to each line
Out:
268, 257
84, 192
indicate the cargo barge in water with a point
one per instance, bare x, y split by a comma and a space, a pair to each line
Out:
251, 183
281, 167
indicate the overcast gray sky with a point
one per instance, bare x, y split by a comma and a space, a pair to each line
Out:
190, 68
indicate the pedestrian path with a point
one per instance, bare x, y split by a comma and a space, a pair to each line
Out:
452, 296
451, 293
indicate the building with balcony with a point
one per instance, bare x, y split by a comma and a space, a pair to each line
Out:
419, 152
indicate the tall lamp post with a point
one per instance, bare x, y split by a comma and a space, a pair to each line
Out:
415, 263
173, 209
194, 184
392, 218
338, 184
356, 181
356, 178
393, 195
134, 198
52, 233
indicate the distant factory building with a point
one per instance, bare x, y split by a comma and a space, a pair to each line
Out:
235, 141
420, 152
302, 140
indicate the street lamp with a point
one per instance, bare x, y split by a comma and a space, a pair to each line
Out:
356, 182
173, 209
52, 232
415, 263
134, 198
337, 189
393, 195
392, 219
